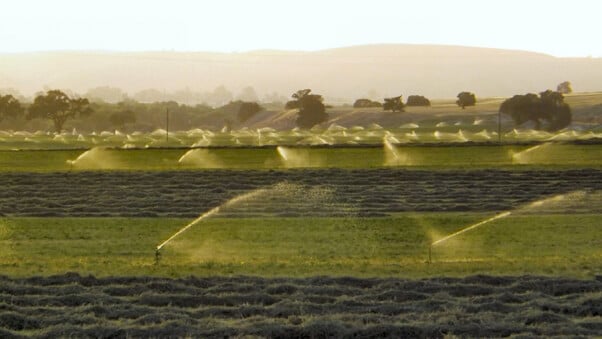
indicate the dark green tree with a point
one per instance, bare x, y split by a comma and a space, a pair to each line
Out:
247, 110
394, 104
548, 107
311, 108
291, 104
121, 118
9, 107
466, 99
418, 100
557, 112
58, 107
364, 103
565, 87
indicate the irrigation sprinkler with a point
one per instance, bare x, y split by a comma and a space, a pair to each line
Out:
466, 229
208, 214
203, 216
157, 256
167, 125
499, 127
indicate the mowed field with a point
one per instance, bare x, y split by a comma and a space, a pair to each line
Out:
302, 222
276, 253
479, 306
278, 261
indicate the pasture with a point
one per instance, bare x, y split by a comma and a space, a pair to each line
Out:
395, 246
301, 252
431, 157
327, 232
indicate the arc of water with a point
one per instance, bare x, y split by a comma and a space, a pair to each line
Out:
203, 216
471, 227
213, 211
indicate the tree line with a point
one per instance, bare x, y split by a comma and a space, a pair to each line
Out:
58, 107
546, 110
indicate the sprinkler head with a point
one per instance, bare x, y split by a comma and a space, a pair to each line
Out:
157, 256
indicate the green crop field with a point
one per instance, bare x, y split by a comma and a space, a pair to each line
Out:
430, 157
565, 244
323, 233
153, 215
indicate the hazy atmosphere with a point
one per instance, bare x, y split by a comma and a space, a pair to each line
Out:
312, 169
400, 47
554, 27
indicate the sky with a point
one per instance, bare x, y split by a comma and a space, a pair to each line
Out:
559, 28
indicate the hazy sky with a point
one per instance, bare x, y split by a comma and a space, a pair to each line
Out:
560, 28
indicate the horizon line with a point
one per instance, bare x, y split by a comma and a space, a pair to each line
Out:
283, 51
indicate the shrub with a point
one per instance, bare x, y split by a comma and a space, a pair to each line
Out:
365, 103
418, 100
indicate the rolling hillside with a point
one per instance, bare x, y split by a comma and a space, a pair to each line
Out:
341, 74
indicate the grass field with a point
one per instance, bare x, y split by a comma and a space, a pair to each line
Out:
338, 249
566, 244
429, 157
71, 305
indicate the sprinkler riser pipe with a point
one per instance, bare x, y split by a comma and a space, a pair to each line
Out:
430, 248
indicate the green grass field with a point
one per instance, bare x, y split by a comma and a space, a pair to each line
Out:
564, 244
554, 155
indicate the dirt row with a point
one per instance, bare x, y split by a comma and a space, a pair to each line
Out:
369, 192
479, 306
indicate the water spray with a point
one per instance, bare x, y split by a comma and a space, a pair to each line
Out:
519, 156
206, 215
186, 155
466, 229
183, 229
282, 153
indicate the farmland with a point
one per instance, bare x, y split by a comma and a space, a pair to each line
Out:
478, 306
371, 191
377, 192
322, 240
543, 243
431, 157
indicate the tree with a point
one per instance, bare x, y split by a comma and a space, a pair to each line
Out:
119, 119
14, 92
9, 107
247, 110
394, 104
466, 99
311, 109
363, 103
558, 113
291, 104
549, 106
418, 100
564, 87
58, 107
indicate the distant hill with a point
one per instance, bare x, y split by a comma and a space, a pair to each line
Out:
341, 74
